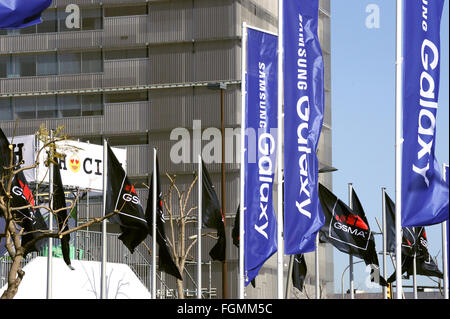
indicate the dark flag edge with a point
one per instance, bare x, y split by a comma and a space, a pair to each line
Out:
59, 201
166, 262
121, 195
212, 215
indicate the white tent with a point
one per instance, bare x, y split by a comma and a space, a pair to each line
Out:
81, 283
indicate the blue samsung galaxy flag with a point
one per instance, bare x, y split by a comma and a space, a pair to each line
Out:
447, 181
15, 14
260, 224
303, 118
425, 196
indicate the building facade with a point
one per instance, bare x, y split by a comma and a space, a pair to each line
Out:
137, 72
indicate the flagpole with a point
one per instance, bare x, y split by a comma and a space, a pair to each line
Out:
445, 257
199, 229
415, 276
383, 200
280, 203
317, 268
289, 276
398, 145
350, 260
242, 167
444, 244
154, 227
104, 243
50, 225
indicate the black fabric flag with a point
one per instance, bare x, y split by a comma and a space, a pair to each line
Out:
408, 235
414, 241
348, 230
121, 196
235, 230
343, 228
165, 262
30, 219
369, 256
425, 264
235, 236
212, 215
299, 270
59, 202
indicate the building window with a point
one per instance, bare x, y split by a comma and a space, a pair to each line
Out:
92, 62
62, 15
47, 64
27, 30
51, 106
69, 63
6, 113
25, 107
49, 22
92, 104
4, 62
91, 19
126, 97
126, 54
46, 106
126, 11
69, 105
25, 65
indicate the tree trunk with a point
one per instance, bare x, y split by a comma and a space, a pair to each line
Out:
14, 279
180, 289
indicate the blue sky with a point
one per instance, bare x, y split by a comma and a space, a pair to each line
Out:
363, 120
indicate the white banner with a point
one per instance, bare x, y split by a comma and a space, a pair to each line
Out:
82, 166
24, 149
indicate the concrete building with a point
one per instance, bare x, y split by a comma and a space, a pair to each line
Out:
133, 71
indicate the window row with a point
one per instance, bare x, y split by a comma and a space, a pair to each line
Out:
50, 106
57, 106
53, 63
58, 20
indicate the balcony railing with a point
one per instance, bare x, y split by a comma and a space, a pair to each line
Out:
116, 74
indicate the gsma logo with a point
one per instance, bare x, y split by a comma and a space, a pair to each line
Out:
353, 220
24, 192
131, 198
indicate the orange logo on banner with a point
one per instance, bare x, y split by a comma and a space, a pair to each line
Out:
74, 163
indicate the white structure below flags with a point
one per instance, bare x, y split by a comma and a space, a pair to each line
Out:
81, 283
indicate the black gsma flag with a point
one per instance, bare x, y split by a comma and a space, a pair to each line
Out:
425, 264
343, 228
166, 262
409, 237
212, 215
121, 196
30, 219
348, 230
59, 202
299, 270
